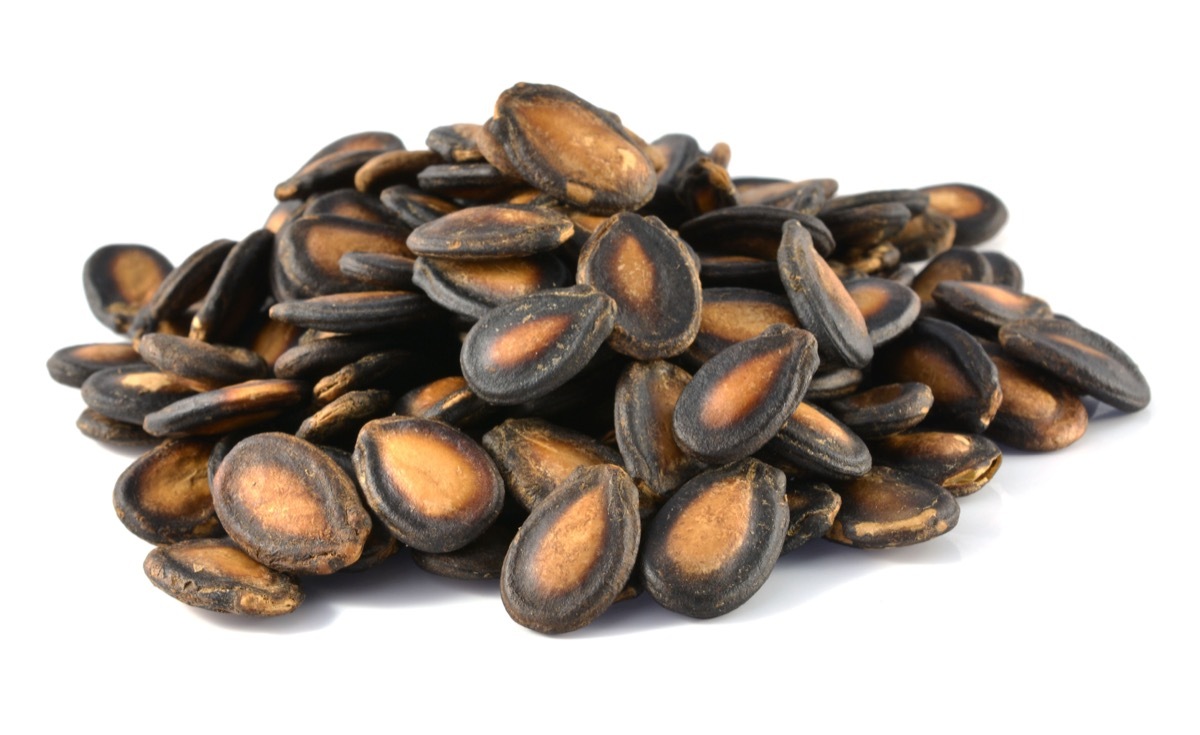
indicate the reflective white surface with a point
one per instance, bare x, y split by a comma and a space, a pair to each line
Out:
1063, 599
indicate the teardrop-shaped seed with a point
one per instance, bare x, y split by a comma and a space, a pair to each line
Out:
815, 441
866, 225
887, 507
119, 433
821, 302
446, 399
215, 574
926, 235
472, 287
885, 409
345, 416
952, 265
978, 214
130, 394
334, 166
575, 552
356, 313
1038, 413
75, 364
206, 363
308, 250
714, 543
491, 231
961, 463
430, 484
386, 369
731, 315
965, 385
753, 231
455, 142
164, 495
225, 409
393, 168
467, 181
741, 397
535, 456
833, 383
290, 506
237, 290
644, 421
527, 347
312, 360
186, 284
1080, 358
649, 273
119, 280
987, 305
888, 308
351, 204
812, 506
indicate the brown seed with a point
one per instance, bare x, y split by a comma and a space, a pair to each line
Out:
378, 271
1005, 271
888, 308
433, 487
802, 197
706, 187
575, 552
649, 273
473, 287
290, 506
813, 440
866, 225
282, 212
1080, 358
415, 207
344, 416
483, 558
961, 463
225, 409
73, 365
455, 143
393, 168
470, 181
812, 506
885, 409
915, 201
164, 497
731, 315
318, 358
733, 271
535, 456
186, 284
821, 302
926, 235
752, 231
714, 543
308, 250
1038, 413
215, 365
449, 400
119, 433
572, 150
357, 313
130, 394
387, 369
491, 231
121, 279
215, 574
887, 507
741, 397
644, 420
952, 265
986, 305
237, 290
978, 214
833, 383
527, 347
334, 166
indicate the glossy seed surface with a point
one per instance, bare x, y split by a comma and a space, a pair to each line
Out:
961, 463
491, 231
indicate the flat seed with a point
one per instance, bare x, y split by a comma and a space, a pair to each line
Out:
415, 207
472, 287
866, 225
335, 165
961, 463
433, 487
393, 168
129, 395
387, 369
491, 231
741, 397
644, 421
888, 308
706, 187
821, 302
1080, 358
649, 273
344, 416
1038, 412
186, 284
915, 201
802, 197
237, 290
714, 543
119, 433
356, 313
381, 544
312, 360
455, 143
731, 315
1005, 271
812, 506
978, 214
164, 497
119, 280
471, 181
216, 365
813, 440
887, 507
536, 456
378, 271
575, 552
884, 410
572, 150
926, 235
833, 383
308, 250
987, 305
449, 400
215, 574
286, 210
483, 558
721, 271
965, 385
225, 409
527, 347
952, 265
752, 231
73, 365
290, 506
351, 204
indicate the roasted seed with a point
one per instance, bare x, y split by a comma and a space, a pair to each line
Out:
393, 168
225, 409
961, 463
240, 286
987, 305
1038, 412
356, 313
813, 440
335, 165
536, 456
865, 225
885, 409
952, 265
164, 497
731, 315
73, 365
483, 558
130, 394
121, 279
926, 235
215, 365
378, 271
308, 250
812, 506
644, 421
887, 507
215, 574
978, 214
491, 231
888, 308
119, 433
449, 400
472, 287
344, 416
186, 284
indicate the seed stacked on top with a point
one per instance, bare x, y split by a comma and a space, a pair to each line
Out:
548, 351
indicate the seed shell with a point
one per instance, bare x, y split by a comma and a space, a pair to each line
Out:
815, 441
215, 574
866, 225
472, 287
237, 290
888, 308
987, 304
119, 433
812, 506
344, 416
164, 496
1038, 413
335, 165
448, 399
961, 463
225, 409
119, 280
308, 250
492, 231
887, 507
358, 312
926, 236
216, 365
483, 558
952, 265
731, 315
393, 168
647, 394
73, 365
186, 284
978, 214
884, 410
129, 394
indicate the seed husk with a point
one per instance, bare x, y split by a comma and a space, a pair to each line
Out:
186, 284
214, 365
802, 197
571, 149
706, 187
752, 231
535, 456
888, 308
239, 287
164, 496
118, 433
378, 271
226, 409
527, 347
915, 201
492, 231
286, 210
965, 385
741, 397
952, 265
483, 558
446, 399
978, 214
1005, 271
987, 305
215, 574
75, 364
887, 507
387, 369
308, 250
318, 358
884, 410
357, 312
833, 383
393, 168
456, 142
714, 543
1038, 413
731, 315
575, 552
644, 422
473, 287
960, 463
119, 280
129, 394
344, 416
1079, 357
648, 271
815, 441
721, 271
335, 165
856, 228
433, 487
812, 506
290, 506
821, 302
926, 236
468, 181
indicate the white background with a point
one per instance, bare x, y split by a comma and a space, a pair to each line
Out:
1062, 600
